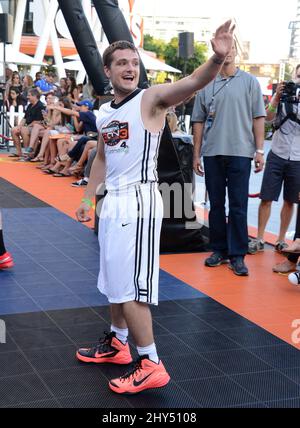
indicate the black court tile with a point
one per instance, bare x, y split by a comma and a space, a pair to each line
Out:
200, 306
284, 404
171, 396
282, 356
189, 367
252, 337
54, 358
14, 364
12, 196
225, 319
102, 399
85, 379
22, 389
208, 342
73, 317
166, 309
170, 345
44, 404
39, 338
293, 374
187, 323
9, 344
268, 386
87, 332
236, 362
31, 320
250, 406
217, 392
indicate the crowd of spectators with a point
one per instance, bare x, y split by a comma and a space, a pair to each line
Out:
58, 131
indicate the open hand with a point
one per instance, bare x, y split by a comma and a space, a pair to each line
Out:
223, 40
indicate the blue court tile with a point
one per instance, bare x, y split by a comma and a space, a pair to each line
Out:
6, 279
16, 306
32, 278
83, 286
67, 301
11, 291
61, 266
177, 293
49, 289
67, 278
29, 266
94, 299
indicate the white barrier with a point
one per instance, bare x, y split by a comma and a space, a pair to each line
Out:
12, 115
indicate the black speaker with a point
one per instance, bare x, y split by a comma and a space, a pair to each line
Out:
186, 45
6, 28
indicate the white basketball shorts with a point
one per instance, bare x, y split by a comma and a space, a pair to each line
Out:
129, 237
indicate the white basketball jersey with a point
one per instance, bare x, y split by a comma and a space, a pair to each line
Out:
131, 151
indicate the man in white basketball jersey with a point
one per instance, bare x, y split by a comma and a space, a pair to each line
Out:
130, 129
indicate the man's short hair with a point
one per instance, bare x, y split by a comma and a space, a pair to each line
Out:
35, 93
120, 45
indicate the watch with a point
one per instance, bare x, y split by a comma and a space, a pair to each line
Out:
261, 152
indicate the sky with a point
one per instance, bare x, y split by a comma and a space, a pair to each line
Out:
262, 22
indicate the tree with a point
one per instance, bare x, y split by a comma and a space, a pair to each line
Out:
169, 53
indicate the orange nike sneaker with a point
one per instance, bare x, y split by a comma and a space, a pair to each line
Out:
6, 261
145, 375
109, 350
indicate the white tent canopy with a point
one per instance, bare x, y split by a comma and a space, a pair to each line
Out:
149, 62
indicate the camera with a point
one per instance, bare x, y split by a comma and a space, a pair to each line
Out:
291, 93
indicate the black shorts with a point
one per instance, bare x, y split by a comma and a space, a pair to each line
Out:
278, 172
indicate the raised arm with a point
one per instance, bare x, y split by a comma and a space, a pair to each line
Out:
167, 95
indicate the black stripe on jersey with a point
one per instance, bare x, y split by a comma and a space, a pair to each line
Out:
144, 157
150, 247
137, 260
129, 98
156, 156
148, 153
139, 245
153, 240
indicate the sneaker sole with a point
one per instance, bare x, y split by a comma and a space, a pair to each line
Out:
160, 384
252, 253
223, 262
123, 361
7, 265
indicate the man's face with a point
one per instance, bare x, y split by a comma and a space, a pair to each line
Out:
124, 71
32, 98
39, 76
230, 59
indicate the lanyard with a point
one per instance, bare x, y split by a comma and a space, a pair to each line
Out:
222, 87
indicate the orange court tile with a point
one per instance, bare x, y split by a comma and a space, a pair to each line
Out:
265, 298
56, 192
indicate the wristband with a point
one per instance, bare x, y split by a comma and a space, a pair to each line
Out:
217, 60
272, 109
261, 152
88, 202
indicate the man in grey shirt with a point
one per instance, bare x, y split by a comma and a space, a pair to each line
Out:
282, 168
228, 122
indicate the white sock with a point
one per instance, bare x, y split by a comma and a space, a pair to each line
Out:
121, 333
150, 351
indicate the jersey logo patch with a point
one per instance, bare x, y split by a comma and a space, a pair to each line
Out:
115, 132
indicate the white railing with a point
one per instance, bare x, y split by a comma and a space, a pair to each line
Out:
12, 115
